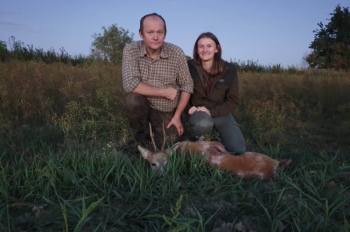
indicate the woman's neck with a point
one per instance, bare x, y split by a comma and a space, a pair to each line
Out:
207, 65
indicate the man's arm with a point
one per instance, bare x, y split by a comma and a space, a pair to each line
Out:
176, 120
151, 91
184, 98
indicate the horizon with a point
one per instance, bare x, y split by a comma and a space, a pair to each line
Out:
269, 32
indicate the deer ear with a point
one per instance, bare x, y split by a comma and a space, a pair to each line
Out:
144, 152
176, 146
168, 152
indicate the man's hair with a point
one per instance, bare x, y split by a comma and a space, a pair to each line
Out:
148, 15
218, 63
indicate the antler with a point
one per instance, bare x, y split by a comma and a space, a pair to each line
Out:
164, 136
152, 137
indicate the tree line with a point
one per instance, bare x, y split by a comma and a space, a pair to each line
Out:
330, 48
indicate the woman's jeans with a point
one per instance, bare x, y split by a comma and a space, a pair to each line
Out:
227, 127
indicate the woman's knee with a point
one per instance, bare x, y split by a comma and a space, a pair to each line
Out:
201, 123
236, 149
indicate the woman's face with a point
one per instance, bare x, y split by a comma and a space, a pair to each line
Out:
206, 49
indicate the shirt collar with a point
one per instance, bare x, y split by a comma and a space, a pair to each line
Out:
163, 51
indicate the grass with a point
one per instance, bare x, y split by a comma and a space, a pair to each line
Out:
43, 189
64, 166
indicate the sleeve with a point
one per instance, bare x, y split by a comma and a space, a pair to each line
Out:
185, 81
130, 72
231, 100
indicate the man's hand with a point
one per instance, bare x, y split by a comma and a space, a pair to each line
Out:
175, 121
170, 93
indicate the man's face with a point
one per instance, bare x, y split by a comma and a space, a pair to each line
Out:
153, 33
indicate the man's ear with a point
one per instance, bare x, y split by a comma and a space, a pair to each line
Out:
140, 34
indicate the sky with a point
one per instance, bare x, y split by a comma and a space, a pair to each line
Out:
268, 32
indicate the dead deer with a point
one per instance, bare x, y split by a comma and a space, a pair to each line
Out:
159, 158
247, 165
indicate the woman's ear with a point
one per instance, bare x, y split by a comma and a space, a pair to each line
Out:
217, 48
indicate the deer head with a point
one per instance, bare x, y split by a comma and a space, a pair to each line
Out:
159, 158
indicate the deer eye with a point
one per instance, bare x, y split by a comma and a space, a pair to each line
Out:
153, 164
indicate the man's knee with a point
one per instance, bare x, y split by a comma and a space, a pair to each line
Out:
201, 123
133, 100
136, 108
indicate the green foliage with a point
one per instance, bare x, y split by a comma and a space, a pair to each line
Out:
85, 103
3, 51
291, 109
85, 213
173, 222
101, 189
331, 46
64, 166
109, 45
20, 51
254, 66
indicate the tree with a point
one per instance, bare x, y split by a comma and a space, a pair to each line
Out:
109, 46
331, 46
3, 51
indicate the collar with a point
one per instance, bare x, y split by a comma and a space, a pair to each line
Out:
163, 51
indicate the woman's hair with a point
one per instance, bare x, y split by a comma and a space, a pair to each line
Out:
148, 15
218, 63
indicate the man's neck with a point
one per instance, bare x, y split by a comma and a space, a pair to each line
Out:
154, 54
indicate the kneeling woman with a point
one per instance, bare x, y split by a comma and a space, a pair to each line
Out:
215, 95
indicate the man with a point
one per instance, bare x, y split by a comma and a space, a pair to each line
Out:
157, 82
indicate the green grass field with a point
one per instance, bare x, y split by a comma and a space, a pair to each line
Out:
64, 166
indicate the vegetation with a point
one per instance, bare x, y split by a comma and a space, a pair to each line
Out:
331, 46
19, 51
109, 45
104, 50
66, 164
3, 51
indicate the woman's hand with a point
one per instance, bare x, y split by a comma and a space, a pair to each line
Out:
192, 110
202, 108
199, 108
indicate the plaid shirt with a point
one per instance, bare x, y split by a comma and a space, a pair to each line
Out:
169, 70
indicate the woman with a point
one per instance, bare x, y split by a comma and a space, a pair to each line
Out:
215, 94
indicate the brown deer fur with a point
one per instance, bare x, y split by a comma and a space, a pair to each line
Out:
249, 164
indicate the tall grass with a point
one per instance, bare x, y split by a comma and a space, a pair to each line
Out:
104, 189
296, 111
63, 166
